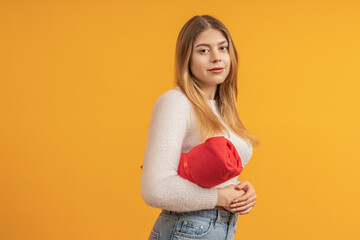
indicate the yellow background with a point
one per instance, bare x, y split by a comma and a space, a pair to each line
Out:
78, 81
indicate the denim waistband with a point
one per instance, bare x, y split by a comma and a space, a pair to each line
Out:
218, 215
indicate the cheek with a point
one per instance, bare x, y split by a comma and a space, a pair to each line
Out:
196, 66
227, 64
227, 60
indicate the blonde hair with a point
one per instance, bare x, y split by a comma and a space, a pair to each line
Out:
226, 92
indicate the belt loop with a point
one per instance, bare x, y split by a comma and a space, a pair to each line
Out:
217, 216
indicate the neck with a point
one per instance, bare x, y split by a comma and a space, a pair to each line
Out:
209, 92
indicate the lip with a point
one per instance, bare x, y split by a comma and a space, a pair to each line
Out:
216, 70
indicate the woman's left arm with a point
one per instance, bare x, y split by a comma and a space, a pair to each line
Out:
245, 203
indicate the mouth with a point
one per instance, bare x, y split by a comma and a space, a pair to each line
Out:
216, 70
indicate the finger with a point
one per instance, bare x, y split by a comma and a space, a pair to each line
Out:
243, 208
244, 203
244, 212
241, 185
240, 193
231, 210
236, 200
245, 197
239, 204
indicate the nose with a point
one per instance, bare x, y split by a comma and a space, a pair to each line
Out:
215, 56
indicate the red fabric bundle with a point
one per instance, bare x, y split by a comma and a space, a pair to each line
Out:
211, 163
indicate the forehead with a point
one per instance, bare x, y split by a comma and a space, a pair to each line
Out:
211, 36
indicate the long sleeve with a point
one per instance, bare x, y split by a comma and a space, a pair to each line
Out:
161, 186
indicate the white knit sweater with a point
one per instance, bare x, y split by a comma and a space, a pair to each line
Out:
172, 131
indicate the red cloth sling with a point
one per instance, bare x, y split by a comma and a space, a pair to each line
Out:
211, 163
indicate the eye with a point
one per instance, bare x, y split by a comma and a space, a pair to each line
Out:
204, 50
224, 48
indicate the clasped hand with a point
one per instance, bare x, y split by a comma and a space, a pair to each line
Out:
239, 199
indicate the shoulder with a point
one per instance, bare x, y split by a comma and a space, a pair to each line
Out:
170, 112
173, 94
173, 99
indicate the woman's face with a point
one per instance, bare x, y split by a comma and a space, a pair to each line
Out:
210, 60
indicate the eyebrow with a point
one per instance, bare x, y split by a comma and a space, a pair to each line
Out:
207, 45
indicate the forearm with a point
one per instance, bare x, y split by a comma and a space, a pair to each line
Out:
177, 194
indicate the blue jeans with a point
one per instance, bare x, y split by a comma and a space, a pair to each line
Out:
214, 224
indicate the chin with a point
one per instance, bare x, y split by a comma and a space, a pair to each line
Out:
221, 81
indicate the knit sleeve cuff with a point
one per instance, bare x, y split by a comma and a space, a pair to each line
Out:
209, 198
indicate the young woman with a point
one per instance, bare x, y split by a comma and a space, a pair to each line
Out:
202, 105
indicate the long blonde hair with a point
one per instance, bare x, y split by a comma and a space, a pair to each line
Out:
226, 92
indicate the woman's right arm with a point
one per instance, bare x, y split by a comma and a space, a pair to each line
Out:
161, 186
